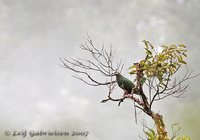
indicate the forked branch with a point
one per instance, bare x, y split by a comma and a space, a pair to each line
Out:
88, 70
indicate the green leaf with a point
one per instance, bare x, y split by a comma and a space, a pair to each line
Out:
132, 67
150, 137
152, 132
182, 45
182, 61
145, 42
173, 65
184, 54
148, 52
143, 80
132, 72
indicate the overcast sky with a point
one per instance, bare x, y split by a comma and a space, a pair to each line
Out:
37, 94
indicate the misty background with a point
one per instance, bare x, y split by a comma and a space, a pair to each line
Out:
37, 94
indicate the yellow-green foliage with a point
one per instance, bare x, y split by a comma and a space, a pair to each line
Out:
151, 135
161, 64
184, 138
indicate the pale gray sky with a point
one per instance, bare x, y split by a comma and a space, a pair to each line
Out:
37, 94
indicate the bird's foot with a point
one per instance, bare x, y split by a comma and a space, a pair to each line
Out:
125, 94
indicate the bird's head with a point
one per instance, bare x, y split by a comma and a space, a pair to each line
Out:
117, 74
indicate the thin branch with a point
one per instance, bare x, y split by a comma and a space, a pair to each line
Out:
101, 63
175, 88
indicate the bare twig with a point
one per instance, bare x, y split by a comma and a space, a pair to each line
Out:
175, 88
101, 63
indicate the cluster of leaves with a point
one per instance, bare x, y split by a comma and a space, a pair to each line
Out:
161, 64
151, 135
184, 138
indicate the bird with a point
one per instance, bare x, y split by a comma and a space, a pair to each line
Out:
124, 83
